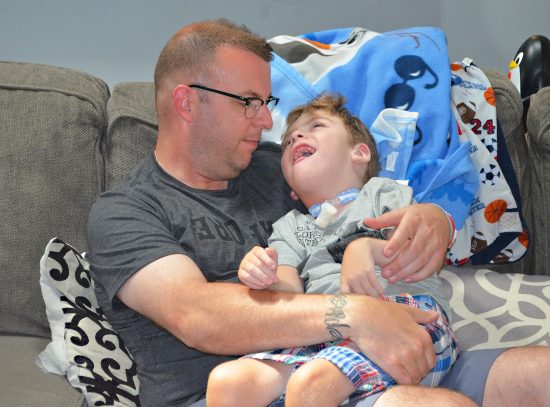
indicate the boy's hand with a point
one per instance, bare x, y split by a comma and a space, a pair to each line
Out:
258, 269
358, 275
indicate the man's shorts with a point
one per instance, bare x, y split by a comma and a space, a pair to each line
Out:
467, 376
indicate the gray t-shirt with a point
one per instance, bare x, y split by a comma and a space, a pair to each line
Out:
151, 215
316, 251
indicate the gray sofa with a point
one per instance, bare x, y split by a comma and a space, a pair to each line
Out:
65, 138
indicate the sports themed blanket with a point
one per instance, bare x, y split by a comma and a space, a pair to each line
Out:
398, 83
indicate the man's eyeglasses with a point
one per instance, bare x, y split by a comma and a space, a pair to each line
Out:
252, 105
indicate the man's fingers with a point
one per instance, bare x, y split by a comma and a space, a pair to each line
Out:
392, 218
427, 260
424, 361
420, 316
414, 253
403, 236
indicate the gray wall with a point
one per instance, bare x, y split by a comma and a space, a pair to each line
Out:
119, 40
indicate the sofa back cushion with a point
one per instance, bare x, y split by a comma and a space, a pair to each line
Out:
132, 131
51, 122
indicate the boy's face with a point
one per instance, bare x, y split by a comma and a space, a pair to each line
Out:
317, 154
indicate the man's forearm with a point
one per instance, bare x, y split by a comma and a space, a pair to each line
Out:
233, 319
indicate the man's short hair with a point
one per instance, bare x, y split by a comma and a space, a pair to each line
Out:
191, 50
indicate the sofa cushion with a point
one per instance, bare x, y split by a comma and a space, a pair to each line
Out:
22, 382
132, 131
84, 345
51, 121
494, 310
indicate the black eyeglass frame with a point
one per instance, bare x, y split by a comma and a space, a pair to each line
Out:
245, 99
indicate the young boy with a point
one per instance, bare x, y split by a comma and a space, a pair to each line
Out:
329, 160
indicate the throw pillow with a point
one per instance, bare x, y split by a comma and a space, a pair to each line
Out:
84, 346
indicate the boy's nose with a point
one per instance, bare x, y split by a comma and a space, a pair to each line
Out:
296, 134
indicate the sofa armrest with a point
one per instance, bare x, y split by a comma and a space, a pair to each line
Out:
509, 115
538, 138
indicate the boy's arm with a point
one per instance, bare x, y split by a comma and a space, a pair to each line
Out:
259, 270
358, 274
288, 280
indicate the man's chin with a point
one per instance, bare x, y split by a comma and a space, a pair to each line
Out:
235, 170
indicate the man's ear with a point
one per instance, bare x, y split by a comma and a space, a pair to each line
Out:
360, 153
181, 98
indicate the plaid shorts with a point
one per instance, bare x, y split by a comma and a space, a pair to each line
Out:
366, 376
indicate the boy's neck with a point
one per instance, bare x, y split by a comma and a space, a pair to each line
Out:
339, 201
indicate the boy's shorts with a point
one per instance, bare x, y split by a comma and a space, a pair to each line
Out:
366, 376
467, 376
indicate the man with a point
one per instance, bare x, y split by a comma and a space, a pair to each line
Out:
167, 242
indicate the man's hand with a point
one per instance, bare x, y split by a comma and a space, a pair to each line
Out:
390, 335
420, 241
258, 269
358, 275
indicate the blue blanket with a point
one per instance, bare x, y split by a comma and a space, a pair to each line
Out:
405, 69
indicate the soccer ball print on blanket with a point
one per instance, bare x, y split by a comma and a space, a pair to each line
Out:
84, 345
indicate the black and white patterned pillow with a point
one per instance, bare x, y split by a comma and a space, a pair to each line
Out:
84, 346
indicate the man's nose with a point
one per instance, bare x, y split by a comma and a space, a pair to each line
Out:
264, 118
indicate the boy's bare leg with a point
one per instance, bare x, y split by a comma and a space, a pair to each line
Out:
318, 383
247, 382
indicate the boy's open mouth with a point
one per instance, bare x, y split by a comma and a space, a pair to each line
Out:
301, 152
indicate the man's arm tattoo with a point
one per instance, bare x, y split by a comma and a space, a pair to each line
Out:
335, 315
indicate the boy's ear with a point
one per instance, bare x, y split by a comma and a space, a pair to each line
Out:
181, 98
294, 196
360, 153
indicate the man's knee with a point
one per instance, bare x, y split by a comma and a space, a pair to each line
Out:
519, 376
423, 396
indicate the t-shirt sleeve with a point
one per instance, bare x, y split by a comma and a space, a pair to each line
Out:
124, 235
388, 195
